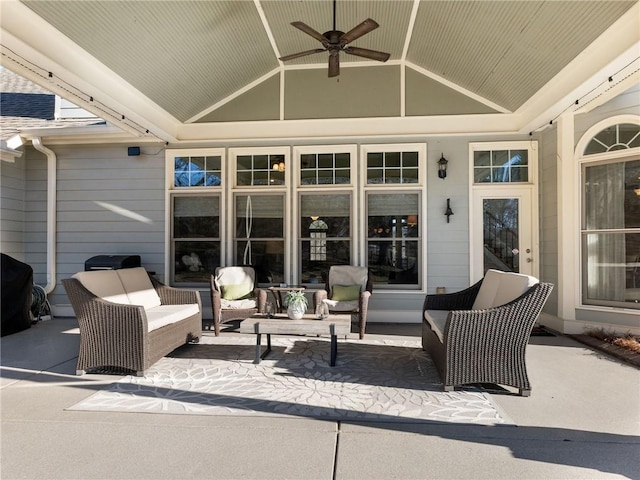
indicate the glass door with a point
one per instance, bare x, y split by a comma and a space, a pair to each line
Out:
503, 232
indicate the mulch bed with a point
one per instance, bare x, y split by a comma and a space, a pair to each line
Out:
626, 356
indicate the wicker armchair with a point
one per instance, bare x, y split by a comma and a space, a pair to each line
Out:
482, 345
226, 309
347, 275
124, 335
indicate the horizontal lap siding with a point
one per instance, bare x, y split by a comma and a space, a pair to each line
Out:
108, 204
12, 186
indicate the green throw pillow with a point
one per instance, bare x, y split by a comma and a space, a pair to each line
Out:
236, 292
345, 293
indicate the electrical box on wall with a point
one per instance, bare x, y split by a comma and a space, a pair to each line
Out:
133, 151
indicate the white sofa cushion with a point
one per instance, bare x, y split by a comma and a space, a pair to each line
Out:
438, 320
158, 317
488, 289
499, 288
105, 284
512, 285
139, 288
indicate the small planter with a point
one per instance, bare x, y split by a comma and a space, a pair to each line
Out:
296, 304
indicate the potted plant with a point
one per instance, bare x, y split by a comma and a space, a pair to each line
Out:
296, 304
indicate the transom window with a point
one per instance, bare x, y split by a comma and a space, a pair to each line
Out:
392, 167
197, 171
616, 137
501, 166
260, 170
325, 168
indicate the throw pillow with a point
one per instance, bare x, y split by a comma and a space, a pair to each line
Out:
345, 293
236, 292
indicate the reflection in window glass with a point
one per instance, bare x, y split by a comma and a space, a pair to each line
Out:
325, 169
325, 234
392, 167
393, 238
501, 166
196, 238
611, 235
260, 170
200, 171
259, 235
616, 137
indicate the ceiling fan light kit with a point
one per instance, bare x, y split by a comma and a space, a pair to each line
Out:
335, 41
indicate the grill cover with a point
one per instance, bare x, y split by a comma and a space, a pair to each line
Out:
17, 295
112, 262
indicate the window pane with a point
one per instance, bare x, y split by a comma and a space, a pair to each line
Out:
195, 261
196, 217
500, 228
604, 191
393, 222
259, 235
410, 159
482, 159
325, 226
374, 160
245, 162
612, 268
325, 169
197, 171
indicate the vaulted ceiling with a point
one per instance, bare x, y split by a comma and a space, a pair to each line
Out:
198, 70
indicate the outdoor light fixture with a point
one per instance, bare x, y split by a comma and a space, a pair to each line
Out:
448, 212
442, 167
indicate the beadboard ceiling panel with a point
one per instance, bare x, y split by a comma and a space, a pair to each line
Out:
191, 62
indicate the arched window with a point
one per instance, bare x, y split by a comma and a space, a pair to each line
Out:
610, 230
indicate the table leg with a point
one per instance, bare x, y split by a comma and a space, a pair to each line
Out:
258, 342
334, 345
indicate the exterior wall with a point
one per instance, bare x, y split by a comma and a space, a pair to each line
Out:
548, 201
12, 208
109, 203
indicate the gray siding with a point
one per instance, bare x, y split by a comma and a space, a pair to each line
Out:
12, 207
548, 201
108, 204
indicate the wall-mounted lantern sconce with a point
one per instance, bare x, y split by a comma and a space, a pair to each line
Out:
448, 212
442, 166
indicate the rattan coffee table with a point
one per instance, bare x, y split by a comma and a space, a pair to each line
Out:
280, 324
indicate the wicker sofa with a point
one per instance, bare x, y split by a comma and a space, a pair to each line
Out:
480, 334
129, 320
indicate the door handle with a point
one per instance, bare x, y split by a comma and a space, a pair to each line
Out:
529, 260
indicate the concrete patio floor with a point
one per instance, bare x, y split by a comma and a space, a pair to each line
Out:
582, 420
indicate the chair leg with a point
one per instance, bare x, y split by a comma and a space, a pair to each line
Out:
216, 327
448, 388
524, 392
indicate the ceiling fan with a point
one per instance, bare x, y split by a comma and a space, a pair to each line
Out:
334, 41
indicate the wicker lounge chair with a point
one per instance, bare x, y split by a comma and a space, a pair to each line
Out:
472, 341
130, 320
231, 308
347, 276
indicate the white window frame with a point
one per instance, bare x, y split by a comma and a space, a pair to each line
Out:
582, 162
390, 188
170, 189
300, 189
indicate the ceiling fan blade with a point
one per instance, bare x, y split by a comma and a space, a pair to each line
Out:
301, 54
358, 31
334, 64
366, 53
309, 31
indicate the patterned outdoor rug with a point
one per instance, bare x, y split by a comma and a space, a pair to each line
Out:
372, 381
